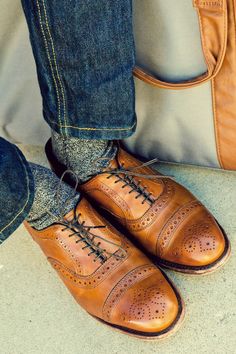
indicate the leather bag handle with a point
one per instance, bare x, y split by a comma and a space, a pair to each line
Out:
213, 21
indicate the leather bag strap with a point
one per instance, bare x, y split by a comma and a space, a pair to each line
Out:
213, 21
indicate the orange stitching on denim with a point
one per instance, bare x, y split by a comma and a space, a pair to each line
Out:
49, 58
55, 60
119, 129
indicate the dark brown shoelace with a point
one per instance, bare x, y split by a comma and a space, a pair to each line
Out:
127, 177
82, 231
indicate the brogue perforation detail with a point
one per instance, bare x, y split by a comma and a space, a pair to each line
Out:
92, 280
117, 199
198, 237
123, 285
168, 231
193, 241
150, 216
147, 304
70, 253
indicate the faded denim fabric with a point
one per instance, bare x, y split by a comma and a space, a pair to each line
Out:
16, 188
84, 52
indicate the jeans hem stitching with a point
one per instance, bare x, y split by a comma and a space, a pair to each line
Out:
78, 128
55, 61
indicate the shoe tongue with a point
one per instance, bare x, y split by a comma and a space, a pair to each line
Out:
117, 161
113, 164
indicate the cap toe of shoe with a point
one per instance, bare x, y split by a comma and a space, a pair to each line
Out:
151, 307
198, 242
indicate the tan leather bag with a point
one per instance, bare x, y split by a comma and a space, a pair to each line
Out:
186, 81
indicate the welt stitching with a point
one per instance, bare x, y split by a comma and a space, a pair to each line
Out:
55, 60
22, 210
49, 59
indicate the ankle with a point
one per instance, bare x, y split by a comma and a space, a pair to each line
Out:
46, 208
80, 155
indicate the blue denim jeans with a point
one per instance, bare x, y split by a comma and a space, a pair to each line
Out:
84, 54
16, 188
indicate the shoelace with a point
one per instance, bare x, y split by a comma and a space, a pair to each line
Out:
127, 175
82, 231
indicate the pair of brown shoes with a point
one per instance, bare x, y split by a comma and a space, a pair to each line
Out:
112, 279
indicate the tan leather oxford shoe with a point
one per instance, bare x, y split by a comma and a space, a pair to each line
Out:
110, 278
160, 214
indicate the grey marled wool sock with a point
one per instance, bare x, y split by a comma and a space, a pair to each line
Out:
79, 155
46, 186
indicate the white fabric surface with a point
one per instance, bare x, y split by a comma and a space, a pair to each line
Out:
174, 125
169, 44
21, 118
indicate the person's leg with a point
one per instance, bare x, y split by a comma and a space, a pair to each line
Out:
84, 54
29, 191
80, 155
93, 58
16, 188
52, 200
